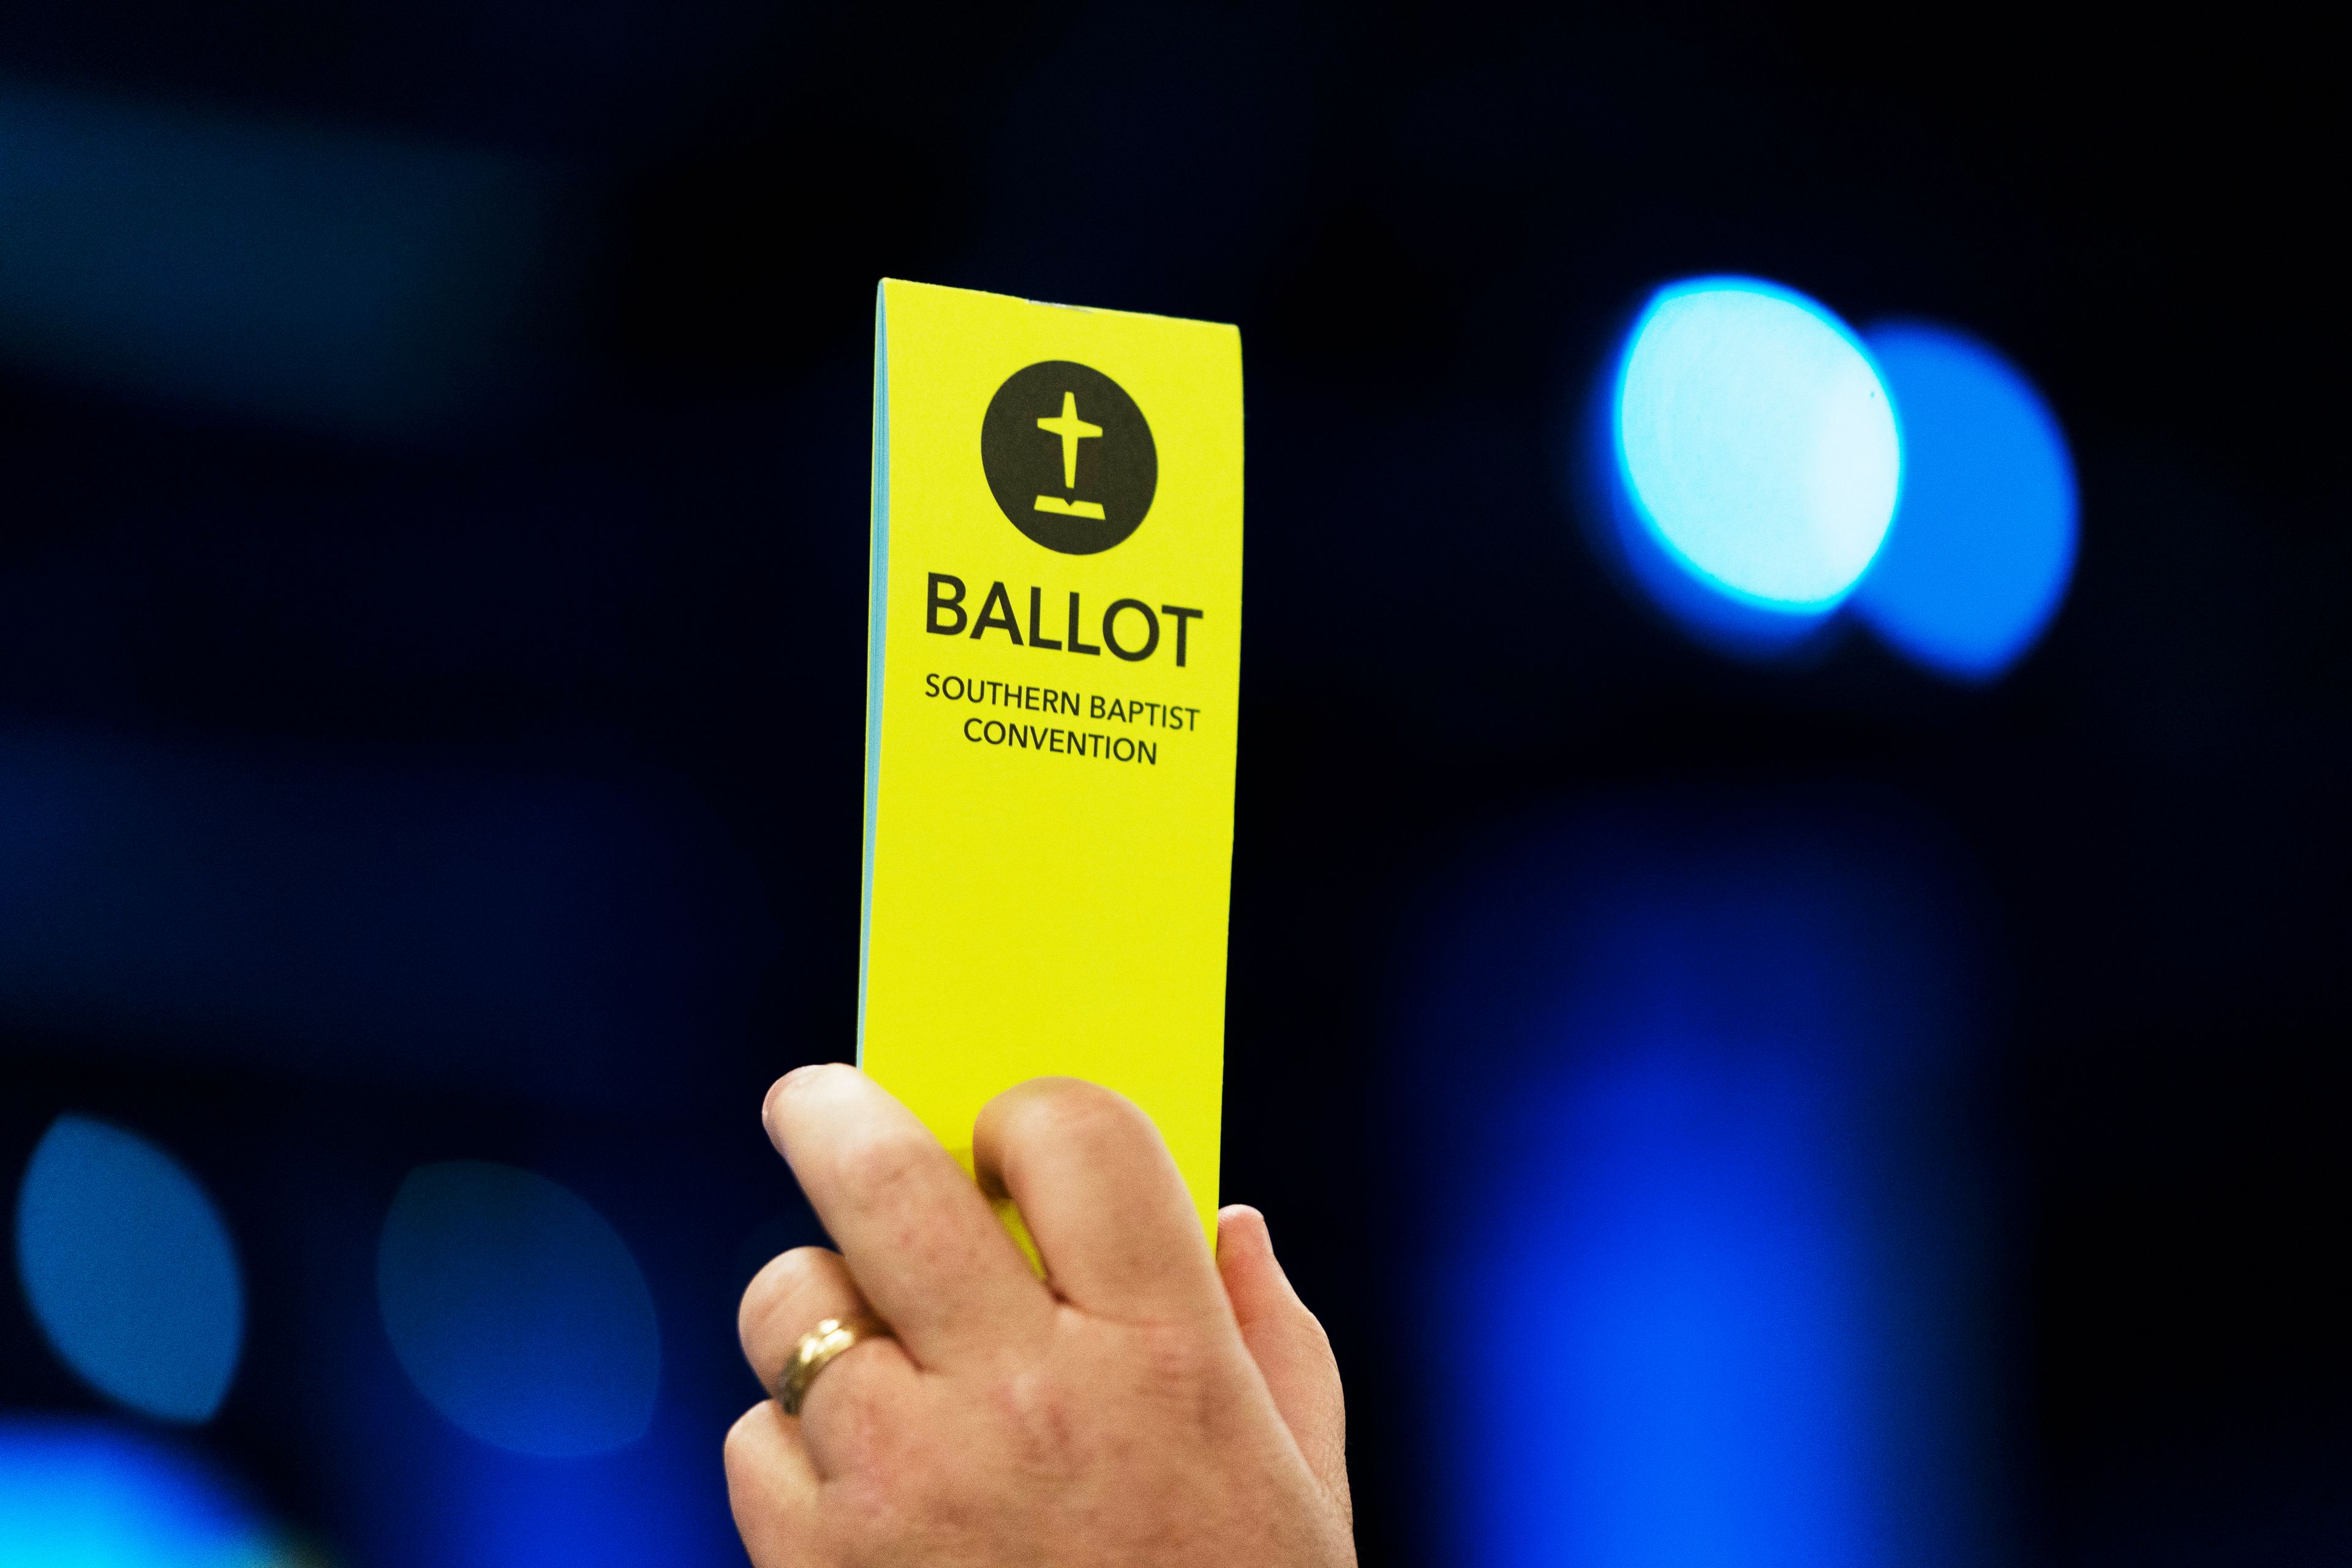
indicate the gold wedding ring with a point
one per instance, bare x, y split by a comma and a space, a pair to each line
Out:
815, 1353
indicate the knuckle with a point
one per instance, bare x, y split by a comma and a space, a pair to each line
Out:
1179, 1373
782, 1287
1173, 1363
881, 1165
869, 1507
1038, 1413
742, 1439
848, 1401
1089, 1116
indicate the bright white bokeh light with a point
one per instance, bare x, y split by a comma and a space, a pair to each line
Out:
1756, 442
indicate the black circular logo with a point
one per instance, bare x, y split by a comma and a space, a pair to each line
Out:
1069, 456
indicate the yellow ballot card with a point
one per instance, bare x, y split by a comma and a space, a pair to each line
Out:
1052, 667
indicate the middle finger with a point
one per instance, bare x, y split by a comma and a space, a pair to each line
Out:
918, 1237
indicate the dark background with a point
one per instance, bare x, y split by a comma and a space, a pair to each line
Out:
493, 752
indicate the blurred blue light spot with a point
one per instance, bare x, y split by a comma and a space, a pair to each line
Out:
361, 284
1697, 1390
1755, 446
129, 1270
517, 1310
80, 1495
1983, 544
1698, 1159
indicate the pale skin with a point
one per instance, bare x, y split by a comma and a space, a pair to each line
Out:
1146, 1404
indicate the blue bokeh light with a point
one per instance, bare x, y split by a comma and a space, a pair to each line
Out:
129, 1270
1699, 1393
517, 1310
81, 1495
1679, 1145
1756, 447
1983, 544
361, 284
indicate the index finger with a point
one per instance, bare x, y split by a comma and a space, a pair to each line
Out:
920, 1240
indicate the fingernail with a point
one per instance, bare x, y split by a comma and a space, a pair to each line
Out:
768, 1101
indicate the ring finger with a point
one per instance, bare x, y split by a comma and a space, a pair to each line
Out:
791, 1296
785, 1301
